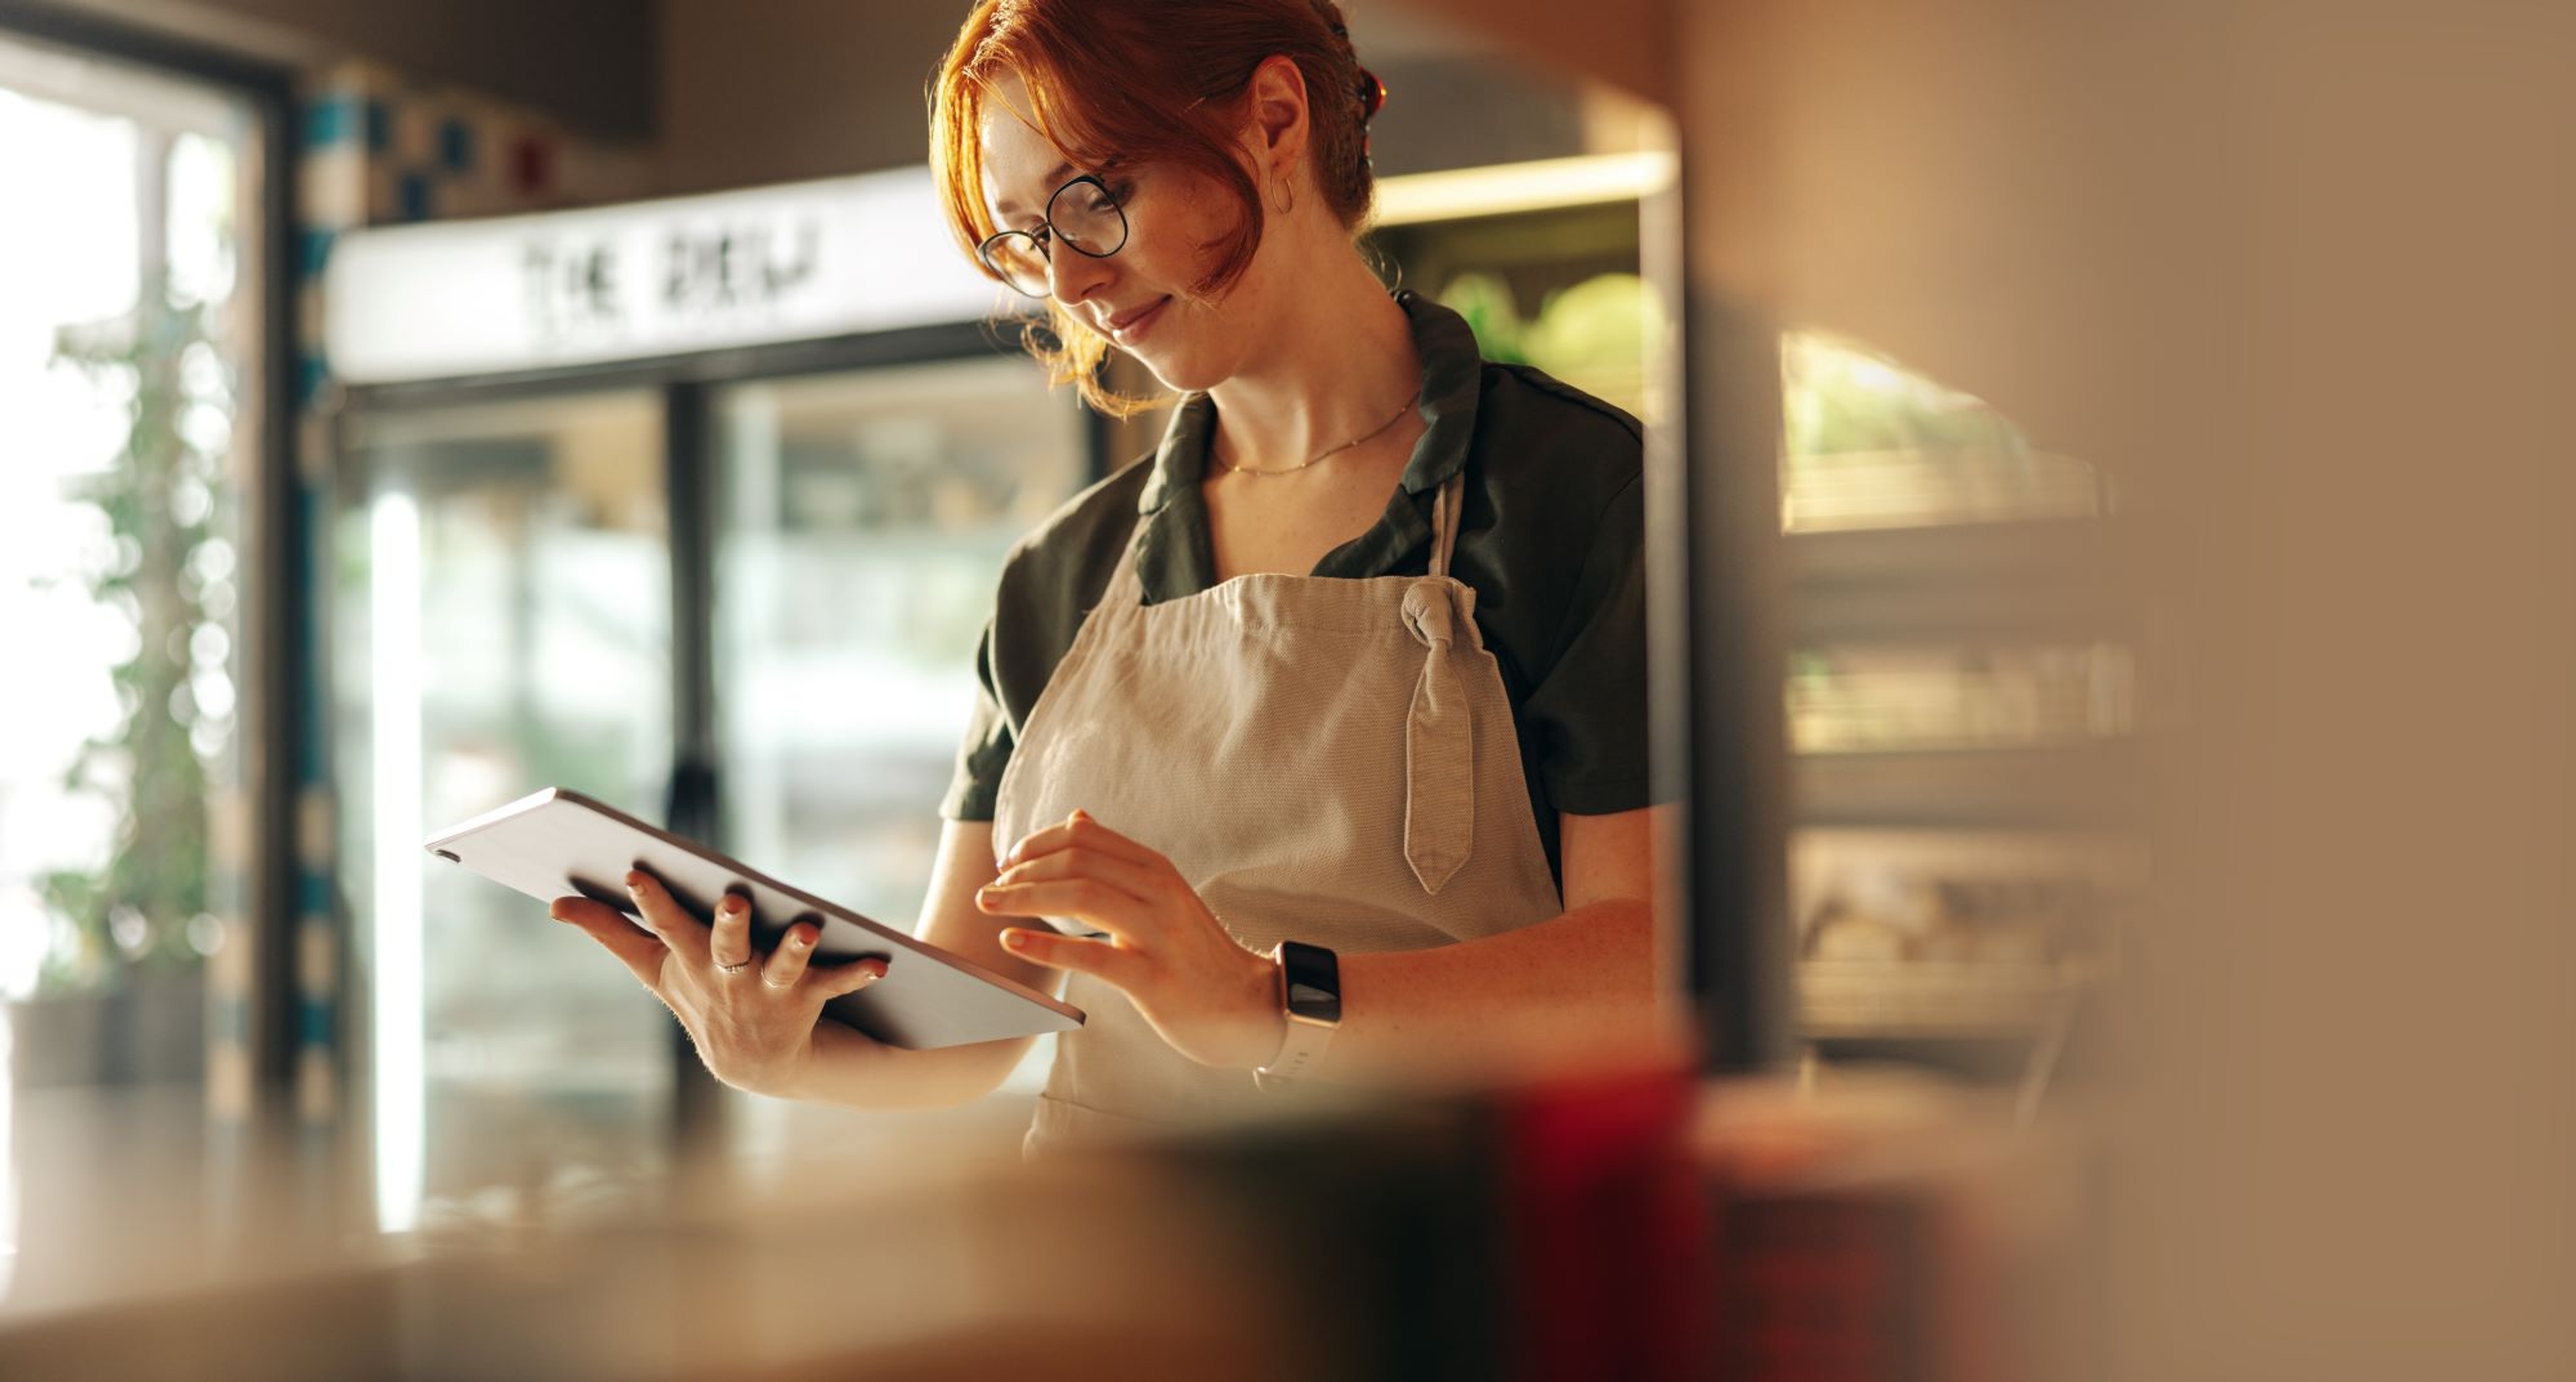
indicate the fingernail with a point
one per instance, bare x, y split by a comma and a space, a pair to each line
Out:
736, 906
1017, 940
634, 881
878, 972
802, 938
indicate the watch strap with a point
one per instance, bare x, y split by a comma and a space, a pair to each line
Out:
1310, 998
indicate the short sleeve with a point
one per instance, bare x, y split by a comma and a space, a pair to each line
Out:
1590, 704
986, 749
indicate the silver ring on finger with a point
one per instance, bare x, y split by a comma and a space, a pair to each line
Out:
735, 968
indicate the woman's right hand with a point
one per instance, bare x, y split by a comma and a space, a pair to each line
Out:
753, 1020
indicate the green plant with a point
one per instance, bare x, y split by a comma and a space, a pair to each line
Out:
159, 498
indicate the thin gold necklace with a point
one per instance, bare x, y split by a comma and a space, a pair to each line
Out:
1371, 434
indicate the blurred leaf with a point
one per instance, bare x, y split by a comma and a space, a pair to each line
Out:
1486, 302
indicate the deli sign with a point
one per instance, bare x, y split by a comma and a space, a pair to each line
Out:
649, 279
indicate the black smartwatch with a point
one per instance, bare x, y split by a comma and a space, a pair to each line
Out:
1310, 995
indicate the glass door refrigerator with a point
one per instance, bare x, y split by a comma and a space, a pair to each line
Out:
502, 593
861, 521
737, 594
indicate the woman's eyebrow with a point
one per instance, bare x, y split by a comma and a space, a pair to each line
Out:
1002, 210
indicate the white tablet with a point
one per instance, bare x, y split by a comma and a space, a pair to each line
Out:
559, 842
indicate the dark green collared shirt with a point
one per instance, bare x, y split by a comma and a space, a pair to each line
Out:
1552, 538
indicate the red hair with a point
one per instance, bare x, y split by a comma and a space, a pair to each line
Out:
1148, 81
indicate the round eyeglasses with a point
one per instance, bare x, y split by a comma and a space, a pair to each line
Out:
1083, 216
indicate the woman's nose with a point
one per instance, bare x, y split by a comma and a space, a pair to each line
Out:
1072, 275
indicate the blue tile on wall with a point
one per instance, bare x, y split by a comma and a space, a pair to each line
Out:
313, 251
314, 894
412, 197
328, 121
311, 373
315, 1026
456, 145
313, 736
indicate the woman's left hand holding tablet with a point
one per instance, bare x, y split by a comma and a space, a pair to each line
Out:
752, 1018
1211, 999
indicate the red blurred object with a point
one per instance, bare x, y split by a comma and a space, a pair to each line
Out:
1825, 1288
1608, 1225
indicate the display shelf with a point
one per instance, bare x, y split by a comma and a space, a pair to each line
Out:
1842, 1000
2031, 581
1968, 642
1910, 486
1878, 698
2074, 786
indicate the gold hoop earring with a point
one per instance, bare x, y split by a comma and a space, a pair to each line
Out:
1286, 200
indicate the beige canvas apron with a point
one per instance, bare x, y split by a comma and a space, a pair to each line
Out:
1324, 759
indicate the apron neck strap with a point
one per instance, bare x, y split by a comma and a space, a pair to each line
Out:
1445, 504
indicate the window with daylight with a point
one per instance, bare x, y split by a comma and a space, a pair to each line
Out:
129, 350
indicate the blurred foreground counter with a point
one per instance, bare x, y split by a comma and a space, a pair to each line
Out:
1642, 1226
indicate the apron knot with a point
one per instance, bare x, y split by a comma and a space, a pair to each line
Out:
1437, 607
1439, 738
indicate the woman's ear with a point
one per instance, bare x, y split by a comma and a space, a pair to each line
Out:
1278, 109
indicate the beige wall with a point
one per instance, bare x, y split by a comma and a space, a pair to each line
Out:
2277, 266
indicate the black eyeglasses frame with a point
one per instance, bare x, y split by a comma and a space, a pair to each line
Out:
984, 250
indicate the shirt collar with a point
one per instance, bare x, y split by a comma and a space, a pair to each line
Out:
1174, 552
1451, 373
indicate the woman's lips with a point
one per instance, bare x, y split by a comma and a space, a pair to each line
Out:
1126, 328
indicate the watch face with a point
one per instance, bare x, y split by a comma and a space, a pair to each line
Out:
1314, 982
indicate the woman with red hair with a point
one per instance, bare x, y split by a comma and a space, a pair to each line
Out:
1312, 748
